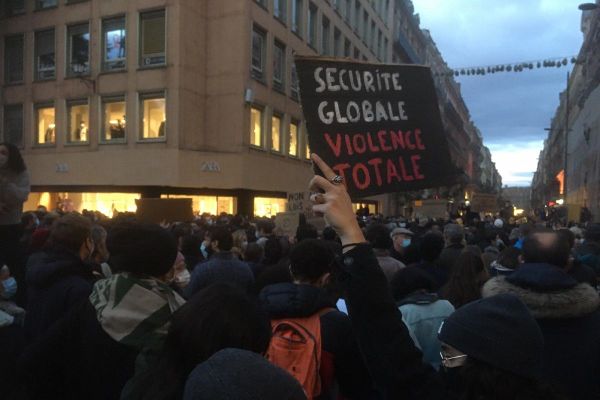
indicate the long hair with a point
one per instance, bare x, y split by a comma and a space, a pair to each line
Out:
218, 317
15, 159
466, 279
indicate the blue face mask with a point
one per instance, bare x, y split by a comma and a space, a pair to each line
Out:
10, 288
406, 243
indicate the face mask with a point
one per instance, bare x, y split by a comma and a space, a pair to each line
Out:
10, 288
3, 160
406, 243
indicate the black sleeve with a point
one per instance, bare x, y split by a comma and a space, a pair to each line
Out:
393, 361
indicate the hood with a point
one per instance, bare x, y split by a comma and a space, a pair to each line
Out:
53, 266
420, 299
576, 301
289, 300
541, 277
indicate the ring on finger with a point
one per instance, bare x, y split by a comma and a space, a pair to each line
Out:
337, 180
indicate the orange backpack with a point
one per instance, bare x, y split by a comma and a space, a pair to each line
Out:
296, 348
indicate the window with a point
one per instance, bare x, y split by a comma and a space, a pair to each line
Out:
113, 119
364, 29
78, 50
280, 10
356, 54
153, 117
293, 139
75, 1
78, 121
348, 13
113, 44
44, 55
325, 33
44, 122
279, 68
276, 133
259, 38
312, 25
263, 3
256, 126
43, 4
306, 145
152, 34
385, 49
337, 43
13, 59
14, 7
356, 23
380, 45
297, 11
13, 124
347, 48
294, 83
373, 37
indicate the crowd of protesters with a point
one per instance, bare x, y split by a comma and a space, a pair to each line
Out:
229, 308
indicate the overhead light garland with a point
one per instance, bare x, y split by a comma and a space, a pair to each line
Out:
557, 62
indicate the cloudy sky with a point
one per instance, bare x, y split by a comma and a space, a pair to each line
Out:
511, 109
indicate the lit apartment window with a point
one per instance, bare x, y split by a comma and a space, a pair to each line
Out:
113, 119
259, 38
294, 82
45, 66
42, 4
14, 7
279, 68
78, 121
293, 139
276, 133
312, 25
152, 34
45, 124
325, 40
78, 50
13, 124
356, 20
347, 48
297, 11
154, 116
256, 126
280, 10
13, 59
113, 44
337, 43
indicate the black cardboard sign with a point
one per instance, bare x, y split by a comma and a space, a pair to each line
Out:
378, 126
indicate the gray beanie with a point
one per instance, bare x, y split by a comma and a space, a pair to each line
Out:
498, 330
235, 374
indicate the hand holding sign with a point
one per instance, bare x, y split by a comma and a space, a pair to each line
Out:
378, 126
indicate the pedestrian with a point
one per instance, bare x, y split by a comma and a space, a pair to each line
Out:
466, 280
378, 235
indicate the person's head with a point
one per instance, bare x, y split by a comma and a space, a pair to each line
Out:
454, 234
546, 247
221, 239
254, 253
100, 254
11, 159
29, 220
217, 317
273, 251
568, 235
311, 262
264, 227
410, 280
240, 239
466, 279
142, 249
431, 246
378, 235
72, 232
329, 233
306, 231
509, 258
401, 238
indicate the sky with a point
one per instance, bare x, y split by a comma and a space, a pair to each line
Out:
510, 109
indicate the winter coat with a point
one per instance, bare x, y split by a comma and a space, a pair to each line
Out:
222, 267
13, 193
76, 359
388, 264
567, 313
449, 256
56, 281
340, 354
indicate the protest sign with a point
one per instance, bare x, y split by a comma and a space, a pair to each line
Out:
484, 202
300, 201
164, 210
378, 126
431, 208
287, 222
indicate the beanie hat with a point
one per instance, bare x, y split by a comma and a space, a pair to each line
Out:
498, 330
235, 374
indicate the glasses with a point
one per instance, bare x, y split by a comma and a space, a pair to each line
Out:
448, 361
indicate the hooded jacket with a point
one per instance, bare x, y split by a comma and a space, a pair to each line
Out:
567, 313
340, 354
56, 281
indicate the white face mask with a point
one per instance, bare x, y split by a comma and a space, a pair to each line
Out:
3, 160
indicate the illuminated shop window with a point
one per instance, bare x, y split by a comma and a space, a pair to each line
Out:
276, 133
45, 125
113, 114
256, 126
214, 205
268, 206
370, 206
154, 118
78, 112
293, 140
306, 145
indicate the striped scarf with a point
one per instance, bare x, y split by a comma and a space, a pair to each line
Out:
133, 311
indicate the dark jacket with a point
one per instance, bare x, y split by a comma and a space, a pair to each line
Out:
567, 313
340, 352
55, 283
449, 256
222, 267
76, 359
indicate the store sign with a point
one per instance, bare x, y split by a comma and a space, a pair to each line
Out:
210, 166
378, 126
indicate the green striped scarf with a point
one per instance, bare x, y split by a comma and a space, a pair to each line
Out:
133, 311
